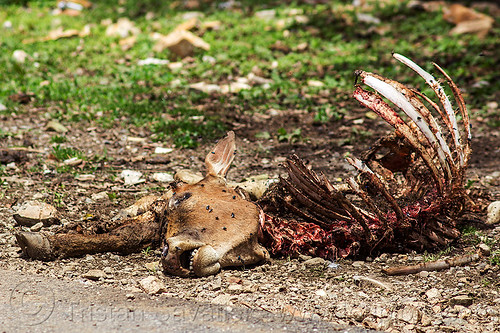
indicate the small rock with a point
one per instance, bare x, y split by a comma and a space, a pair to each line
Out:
321, 293
379, 312
425, 320
132, 177
163, 177
153, 61
37, 227
101, 196
130, 296
359, 279
152, 285
266, 14
74, 161
493, 213
162, 150
409, 314
94, 274
7, 25
358, 264
235, 289
315, 83
315, 262
33, 212
55, 126
222, 299
2, 107
303, 257
19, 56
463, 300
205, 87
485, 249
85, 178
152, 266
108, 270
433, 293
423, 274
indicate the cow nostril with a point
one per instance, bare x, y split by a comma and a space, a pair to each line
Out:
165, 251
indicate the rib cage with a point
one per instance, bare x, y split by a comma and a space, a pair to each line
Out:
409, 184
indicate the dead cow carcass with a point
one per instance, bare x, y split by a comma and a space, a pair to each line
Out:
201, 227
409, 187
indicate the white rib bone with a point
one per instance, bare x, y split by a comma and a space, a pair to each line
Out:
434, 84
399, 100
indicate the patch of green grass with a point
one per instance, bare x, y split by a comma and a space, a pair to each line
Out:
438, 255
291, 137
58, 139
91, 79
64, 153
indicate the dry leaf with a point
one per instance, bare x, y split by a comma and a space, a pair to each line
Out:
467, 20
181, 42
60, 33
127, 43
188, 25
122, 28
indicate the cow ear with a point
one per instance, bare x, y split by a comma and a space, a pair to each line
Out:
219, 159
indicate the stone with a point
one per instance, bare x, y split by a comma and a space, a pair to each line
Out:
163, 150
485, 249
433, 293
74, 161
100, 196
463, 300
222, 299
19, 56
235, 289
94, 274
409, 314
321, 293
130, 296
366, 280
55, 126
33, 212
315, 262
85, 177
163, 177
37, 227
131, 177
152, 266
152, 285
493, 216
358, 264
423, 274
379, 311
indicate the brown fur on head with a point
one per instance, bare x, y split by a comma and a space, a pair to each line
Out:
209, 225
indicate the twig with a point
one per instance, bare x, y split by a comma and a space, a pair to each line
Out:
437, 265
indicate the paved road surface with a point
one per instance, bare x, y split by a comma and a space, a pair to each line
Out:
39, 304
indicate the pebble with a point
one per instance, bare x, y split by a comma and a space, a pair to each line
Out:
493, 216
315, 262
463, 300
37, 227
152, 285
101, 196
433, 293
409, 314
163, 177
131, 177
33, 212
485, 249
423, 274
94, 274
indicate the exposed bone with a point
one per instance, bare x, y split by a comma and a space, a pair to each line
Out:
434, 84
405, 105
438, 265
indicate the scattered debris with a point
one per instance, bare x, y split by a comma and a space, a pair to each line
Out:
122, 28
153, 61
33, 212
493, 216
94, 274
163, 177
20, 56
152, 285
360, 279
163, 150
55, 126
432, 265
132, 177
181, 42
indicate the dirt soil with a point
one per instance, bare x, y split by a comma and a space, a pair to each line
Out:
464, 299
